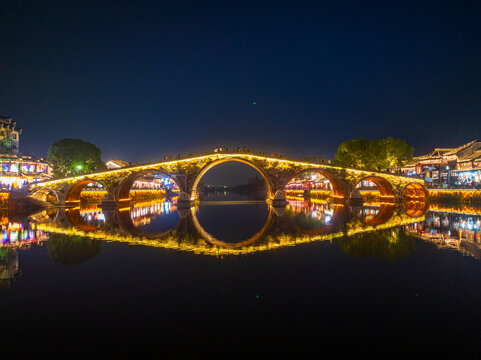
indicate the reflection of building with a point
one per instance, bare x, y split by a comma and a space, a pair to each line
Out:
18, 170
143, 213
460, 231
17, 235
321, 212
456, 166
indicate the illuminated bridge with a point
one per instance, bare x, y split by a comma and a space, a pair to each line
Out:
187, 173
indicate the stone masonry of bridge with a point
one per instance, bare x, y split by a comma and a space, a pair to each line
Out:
188, 172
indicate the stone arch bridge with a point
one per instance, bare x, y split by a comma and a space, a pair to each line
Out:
188, 172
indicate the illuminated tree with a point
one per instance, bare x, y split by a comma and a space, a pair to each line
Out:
74, 156
353, 153
381, 154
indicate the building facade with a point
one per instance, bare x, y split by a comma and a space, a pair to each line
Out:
460, 167
18, 170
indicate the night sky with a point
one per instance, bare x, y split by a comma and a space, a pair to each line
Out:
142, 81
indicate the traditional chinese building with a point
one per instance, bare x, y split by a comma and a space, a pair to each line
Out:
18, 170
454, 166
9, 135
116, 164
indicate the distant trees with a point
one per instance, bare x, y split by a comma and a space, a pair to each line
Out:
316, 160
74, 156
381, 155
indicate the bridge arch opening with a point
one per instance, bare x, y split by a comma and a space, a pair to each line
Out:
45, 194
373, 189
317, 184
415, 192
85, 191
148, 186
233, 175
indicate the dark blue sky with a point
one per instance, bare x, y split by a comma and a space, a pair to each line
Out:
142, 80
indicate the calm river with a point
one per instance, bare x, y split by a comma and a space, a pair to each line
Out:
236, 278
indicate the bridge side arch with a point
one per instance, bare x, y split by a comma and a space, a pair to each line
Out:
336, 185
211, 165
43, 194
123, 194
415, 191
72, 197
385, 188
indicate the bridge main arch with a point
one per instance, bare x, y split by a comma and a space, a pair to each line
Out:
205, 169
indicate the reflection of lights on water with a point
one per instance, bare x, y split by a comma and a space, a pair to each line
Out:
93, 216
141, 215
15, 234
321, 212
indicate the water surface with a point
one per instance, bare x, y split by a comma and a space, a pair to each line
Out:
241, 279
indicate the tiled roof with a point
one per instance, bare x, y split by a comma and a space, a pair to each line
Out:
460, 148
468, 157
119, 163
21, 157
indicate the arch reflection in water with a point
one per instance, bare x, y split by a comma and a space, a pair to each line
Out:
88, 217
237, 224
374, 213
300, 223
415, 208
150, 219
314, 216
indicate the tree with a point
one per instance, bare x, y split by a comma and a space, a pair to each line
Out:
353, 153
6, 144
381, 154
74, 156
316, 160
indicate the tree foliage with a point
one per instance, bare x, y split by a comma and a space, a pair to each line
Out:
381, 154
6, 143
74, 156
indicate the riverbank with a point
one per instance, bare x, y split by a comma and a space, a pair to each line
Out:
467, 197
